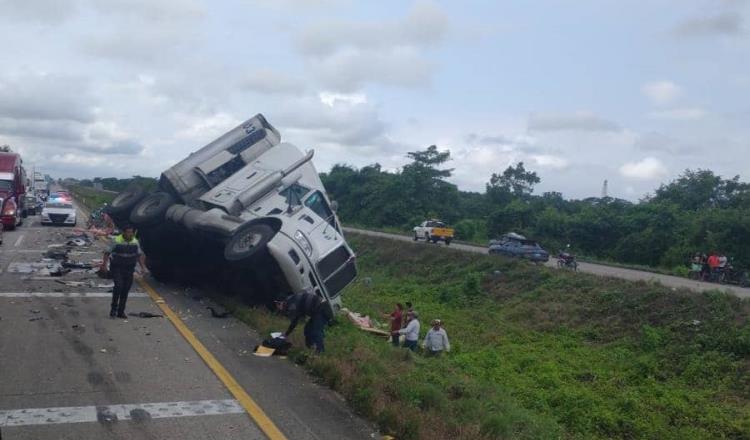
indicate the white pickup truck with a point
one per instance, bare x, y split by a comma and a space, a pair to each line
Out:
434, 231
247, 211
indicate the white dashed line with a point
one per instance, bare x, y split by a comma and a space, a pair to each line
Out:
20, 240
114, 413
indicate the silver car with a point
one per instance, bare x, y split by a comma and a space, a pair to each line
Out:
516, 245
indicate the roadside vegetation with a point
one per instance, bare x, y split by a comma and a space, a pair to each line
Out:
90, 198
537, 353
697, 212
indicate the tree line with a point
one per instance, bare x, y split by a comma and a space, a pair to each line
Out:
697, 212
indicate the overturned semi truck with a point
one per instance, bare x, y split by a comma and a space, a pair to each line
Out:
248, 212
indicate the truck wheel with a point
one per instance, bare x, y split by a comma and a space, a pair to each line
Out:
151, 210
448, 241
247, 241
416, 237
125, 202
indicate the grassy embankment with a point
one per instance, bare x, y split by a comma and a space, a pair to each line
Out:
90, 198
537, 353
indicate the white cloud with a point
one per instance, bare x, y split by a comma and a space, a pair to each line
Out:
549, 161
41, 11
661, 92
576, 121
330, 99
724, 23
425, 25
272, 82
346, 55
679, 114
649, 168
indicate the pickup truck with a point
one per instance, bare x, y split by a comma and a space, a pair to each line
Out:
248, 212
434, 231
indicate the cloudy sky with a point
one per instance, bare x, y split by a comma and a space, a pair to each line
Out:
630, 91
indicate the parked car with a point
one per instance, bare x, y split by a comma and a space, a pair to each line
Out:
434, 231
518, 246
247, 211
59, 212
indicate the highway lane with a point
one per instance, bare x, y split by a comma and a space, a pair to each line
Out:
70, 372
596, 269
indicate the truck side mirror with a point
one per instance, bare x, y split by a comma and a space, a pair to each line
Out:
334, 205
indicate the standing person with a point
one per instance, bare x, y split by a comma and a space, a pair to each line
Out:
305, 304
409, 309
723, 261
713, 265
411, 331
396, 320
122, 255
436, 340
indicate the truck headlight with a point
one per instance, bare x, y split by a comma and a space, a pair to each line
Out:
303, 242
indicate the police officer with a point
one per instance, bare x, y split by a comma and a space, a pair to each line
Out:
122, 255
299, 305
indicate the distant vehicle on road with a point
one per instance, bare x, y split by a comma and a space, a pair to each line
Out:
518, 246
434, 231
12, 188
248, 211
32, 205
59, 212
59, 196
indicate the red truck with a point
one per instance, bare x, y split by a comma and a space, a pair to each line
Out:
12, 188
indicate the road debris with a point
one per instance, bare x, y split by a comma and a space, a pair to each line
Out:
217, 314
146, 315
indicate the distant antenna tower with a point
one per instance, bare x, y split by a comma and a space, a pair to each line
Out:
605, 190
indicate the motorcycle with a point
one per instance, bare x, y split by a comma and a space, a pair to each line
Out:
567, 260
731, 275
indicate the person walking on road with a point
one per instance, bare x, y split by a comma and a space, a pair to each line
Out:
436, 340
299, 305
123, 253
411, 331
396, 318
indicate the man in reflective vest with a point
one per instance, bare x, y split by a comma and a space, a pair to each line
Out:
122, 255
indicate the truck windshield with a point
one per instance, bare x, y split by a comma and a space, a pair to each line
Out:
317, 203
6, 185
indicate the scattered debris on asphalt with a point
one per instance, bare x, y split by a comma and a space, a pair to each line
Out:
146, 315
217, 314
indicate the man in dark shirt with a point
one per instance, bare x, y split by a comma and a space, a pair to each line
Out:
300, 305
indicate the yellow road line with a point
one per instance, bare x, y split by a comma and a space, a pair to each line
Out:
239, 393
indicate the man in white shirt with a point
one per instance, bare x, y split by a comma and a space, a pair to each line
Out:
436, 341
411, 331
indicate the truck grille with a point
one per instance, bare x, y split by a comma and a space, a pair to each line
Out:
333, 261
58, 218
341, 279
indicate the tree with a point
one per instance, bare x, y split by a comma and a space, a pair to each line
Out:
514, 181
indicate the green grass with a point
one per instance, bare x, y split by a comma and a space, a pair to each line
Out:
90, 198
538, 353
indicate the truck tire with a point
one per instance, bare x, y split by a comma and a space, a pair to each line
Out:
416, 237
151, 210
124, 202
247, 241
448, 241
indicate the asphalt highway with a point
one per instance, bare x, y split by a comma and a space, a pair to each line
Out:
69, 371
596, 269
